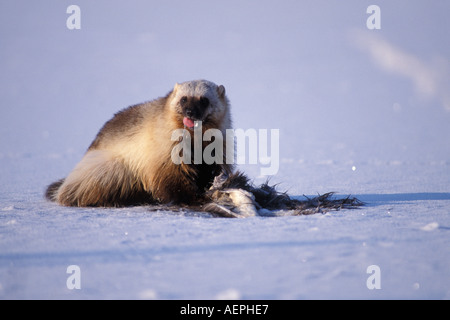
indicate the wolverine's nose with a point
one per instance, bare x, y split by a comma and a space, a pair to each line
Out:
189, 113
192, 113
194, 108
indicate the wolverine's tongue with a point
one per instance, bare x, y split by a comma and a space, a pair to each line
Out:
188, 122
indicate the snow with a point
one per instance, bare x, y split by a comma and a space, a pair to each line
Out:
360, 112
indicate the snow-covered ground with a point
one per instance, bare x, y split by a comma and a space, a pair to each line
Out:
361, 112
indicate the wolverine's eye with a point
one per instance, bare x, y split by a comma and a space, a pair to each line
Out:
183, 100
204, 102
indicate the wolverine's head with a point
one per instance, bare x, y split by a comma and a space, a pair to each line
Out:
200, 100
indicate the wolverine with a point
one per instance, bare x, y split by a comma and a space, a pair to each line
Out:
129, 161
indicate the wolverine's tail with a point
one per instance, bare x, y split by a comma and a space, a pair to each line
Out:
52, 190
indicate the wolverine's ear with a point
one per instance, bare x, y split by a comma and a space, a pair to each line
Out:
221, 91
176, 87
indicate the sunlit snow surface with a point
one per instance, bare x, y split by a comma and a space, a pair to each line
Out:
360, 112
